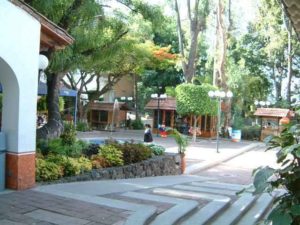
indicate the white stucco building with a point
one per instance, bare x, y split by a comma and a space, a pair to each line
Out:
24, 32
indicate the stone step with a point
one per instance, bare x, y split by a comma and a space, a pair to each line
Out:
189, 194
207, 213
171, 216
217, 185
140, 216
204, 189
258, 210
232, 214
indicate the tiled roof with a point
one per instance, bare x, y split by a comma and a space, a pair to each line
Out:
273, 112
166, 104
292, 8
52, 35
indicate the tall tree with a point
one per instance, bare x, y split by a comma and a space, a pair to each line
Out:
94, 32
197, 16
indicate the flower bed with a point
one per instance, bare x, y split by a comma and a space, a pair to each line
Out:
164, 165
68, 157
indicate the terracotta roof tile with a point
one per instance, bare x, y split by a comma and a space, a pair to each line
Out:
166, 104
273, 112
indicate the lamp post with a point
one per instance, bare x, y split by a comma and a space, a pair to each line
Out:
158, 97
219, 96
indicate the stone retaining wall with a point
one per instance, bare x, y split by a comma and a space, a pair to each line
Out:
168, 164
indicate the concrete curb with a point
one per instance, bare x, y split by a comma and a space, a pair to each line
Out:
206, 165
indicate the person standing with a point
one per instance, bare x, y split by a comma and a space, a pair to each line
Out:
148, 135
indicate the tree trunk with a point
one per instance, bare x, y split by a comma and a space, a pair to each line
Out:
195, 128
290, 63
54, 127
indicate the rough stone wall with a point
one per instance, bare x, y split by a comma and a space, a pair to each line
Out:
168, 164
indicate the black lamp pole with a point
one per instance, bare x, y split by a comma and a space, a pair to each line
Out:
158, 112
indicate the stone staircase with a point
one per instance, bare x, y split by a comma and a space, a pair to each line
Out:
223, 206
206, 202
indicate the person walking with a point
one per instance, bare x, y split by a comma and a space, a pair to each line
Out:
148, 135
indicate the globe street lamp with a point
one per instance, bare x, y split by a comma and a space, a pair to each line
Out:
262, 103
219, 96
158, 97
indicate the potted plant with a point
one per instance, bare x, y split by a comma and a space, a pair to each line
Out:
182, 143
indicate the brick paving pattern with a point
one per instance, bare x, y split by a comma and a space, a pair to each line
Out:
35, 208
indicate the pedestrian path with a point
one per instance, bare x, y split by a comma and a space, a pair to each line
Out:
185, 200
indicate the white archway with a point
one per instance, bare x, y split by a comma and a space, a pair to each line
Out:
19, 60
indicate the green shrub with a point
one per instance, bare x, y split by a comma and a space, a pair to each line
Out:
85, 164
69, 165
251, 133
46, 170
157, 149
56, 146
133, 153
82, 126
91, 149
42, 146
137, 125
112, 154
69, 135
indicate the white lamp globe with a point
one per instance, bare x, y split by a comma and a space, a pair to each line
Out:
154, 95
123, 98
211, 94
229, 94
163, 96
217, 93
256, 102
43, 62
222, 94
129, 98
262, 103
268, 103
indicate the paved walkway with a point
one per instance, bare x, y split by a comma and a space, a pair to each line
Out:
185, 199
200, 155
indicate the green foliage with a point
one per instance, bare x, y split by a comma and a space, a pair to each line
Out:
170, 91
56, 146
69, 135
82, 126
137, 124
91, 149
157, 149
286, 176
46, 170
112, 154
133, 153
251, 133
180, 139
42, 104
194, 99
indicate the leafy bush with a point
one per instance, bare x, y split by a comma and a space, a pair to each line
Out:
112, 154
82, 126
69, 135
71, 166
287, 176
137, 125
42, 146
99, 162
46, 170
251, 133
133, 153
157, 149
91, 149
56, 146
180, 139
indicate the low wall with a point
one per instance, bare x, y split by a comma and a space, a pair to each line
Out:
168, 164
